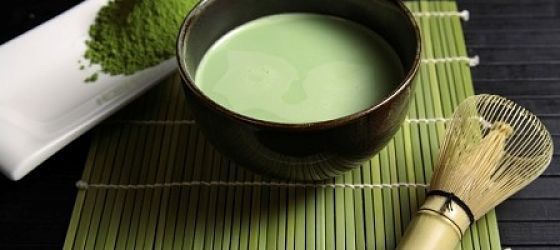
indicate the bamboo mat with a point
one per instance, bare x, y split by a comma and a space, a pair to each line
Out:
152, 181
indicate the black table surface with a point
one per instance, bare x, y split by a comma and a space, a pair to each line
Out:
518, 42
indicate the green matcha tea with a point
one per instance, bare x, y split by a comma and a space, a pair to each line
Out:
299, 68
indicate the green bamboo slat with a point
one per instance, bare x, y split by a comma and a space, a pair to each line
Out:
296, 218
379, 206
321, 215
237, 197
310, 223
494, 234
395, 192
273, 217
299, 207
228, 218
330, 218
388, 203
350, 230
291, 219
483, 235
340, 213
402, 177
248, 200
410, 170
417, 153
221, 206
245, 230
255, 215
282, 218
359, 209
264, 217
368, 203
267, 217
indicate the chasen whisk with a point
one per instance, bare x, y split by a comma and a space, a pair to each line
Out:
491, 150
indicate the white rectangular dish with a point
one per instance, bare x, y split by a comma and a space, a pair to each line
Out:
44, 101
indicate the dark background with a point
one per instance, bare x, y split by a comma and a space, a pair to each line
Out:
518, 42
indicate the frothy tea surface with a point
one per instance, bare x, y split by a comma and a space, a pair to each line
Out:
299, 68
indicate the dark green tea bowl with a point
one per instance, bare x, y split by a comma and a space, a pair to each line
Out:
306, 151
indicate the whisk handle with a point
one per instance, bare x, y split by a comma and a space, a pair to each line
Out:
428, 231
439, 224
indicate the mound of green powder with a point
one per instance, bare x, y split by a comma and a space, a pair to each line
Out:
131, 35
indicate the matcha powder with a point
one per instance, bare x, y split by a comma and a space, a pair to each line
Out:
131, 35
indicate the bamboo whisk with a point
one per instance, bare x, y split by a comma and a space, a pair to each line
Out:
492, 149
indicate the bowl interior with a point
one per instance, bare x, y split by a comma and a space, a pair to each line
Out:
212, 19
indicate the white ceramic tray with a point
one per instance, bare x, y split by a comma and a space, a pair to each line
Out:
44, 101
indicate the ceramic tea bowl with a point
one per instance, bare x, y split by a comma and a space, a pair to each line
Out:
307, 151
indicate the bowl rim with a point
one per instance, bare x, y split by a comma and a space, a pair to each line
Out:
340, 121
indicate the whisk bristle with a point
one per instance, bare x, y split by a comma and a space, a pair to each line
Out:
502, 128
492, 148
